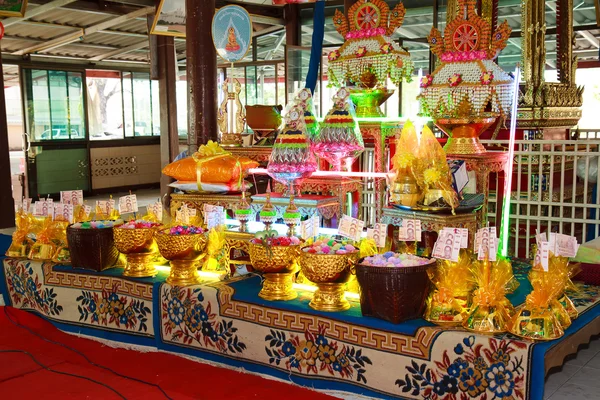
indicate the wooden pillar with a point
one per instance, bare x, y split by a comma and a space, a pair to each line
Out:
7, 205
169, 137
201, 73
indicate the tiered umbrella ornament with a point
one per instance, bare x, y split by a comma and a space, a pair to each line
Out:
369, 56
339, 138
291, 159
468, 91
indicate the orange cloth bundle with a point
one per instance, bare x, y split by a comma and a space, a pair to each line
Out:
214, 165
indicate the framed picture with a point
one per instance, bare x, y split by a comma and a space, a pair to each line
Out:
169, 19
13, 8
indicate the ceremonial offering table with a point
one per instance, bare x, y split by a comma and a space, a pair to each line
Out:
333, 186
229, 202
308, 205
430, 222
483, 165
226, 322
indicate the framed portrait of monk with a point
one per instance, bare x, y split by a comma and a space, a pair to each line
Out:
13, 8
169, 19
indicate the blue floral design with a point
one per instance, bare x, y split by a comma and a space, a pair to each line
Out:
188, 318
288, 349
107, 308
176, 311
18, 285
458, 349
27, 291
321, 341
458, 365
501, 380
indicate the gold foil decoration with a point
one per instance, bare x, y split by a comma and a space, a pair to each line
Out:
21, 244
490, 311
447, 303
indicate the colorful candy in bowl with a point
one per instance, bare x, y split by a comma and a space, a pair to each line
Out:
327, 263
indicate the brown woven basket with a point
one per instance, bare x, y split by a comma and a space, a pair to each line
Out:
393, 294
92, 248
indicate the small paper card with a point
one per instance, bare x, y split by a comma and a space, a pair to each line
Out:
106, 206
447, 246
87, 210
378, 234
544, 252
462, 234
410, 231
310, 227
213, 216
44, 208
565, 245
128, 204
73, 197
27, 204
351, 227
63, 212
185, 214
156, 209
460, 177
486, 243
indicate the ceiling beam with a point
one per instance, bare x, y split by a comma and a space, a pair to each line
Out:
590, 38
262, 19
278, 44
36, 11
127, 49
80, 33
267, 31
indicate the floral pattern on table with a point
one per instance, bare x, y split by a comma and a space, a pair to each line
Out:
111, 310
583, 295
27, 290
189, 319
476, 370
314, 352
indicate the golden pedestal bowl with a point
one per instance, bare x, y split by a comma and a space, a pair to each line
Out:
463, 133
329, 272
139, 248
277, 265
184, 253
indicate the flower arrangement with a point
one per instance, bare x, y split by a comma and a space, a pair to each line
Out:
426, 81
486, 77
455, 80
333, 55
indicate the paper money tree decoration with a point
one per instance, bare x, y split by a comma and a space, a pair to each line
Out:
304, 100
291, 159
468, 91
339, 136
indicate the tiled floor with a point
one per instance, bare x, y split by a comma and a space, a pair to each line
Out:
579, 377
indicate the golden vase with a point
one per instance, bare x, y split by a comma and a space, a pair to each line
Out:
277, 265
184, 253
139, 248
463, 133
330, 272
405, 191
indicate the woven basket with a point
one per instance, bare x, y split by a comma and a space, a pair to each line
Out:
393, 294
92, 248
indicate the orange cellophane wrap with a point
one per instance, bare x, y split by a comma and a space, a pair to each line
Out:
490, 310
407, 150
79, 214
21, 244
210, 164
215, 244
100, 215
563, 270
542, 317
431, 169
452, 284
50, 235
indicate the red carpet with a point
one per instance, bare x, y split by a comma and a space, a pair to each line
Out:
21, 378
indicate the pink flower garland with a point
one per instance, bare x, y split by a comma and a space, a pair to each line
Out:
365, 33
454, 56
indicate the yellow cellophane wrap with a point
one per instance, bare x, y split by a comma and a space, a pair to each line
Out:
100, 215
431, 169
563, 271
490, 310
50, 235
215, 244
542, 317
447, 303
21, 244
407, 150
79, 214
